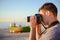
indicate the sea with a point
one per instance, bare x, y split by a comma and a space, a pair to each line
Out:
7, 24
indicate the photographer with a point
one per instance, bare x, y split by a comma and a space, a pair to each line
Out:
49, 14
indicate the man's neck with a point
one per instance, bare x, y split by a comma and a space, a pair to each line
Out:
53, 23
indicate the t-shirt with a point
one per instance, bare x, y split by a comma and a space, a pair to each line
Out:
52, 33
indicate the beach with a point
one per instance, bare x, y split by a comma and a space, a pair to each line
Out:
6, 35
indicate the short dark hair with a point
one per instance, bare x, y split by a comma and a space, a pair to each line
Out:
51, 7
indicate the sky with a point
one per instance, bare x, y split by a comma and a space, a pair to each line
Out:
18, 10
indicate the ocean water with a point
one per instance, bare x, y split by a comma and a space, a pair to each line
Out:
7, 24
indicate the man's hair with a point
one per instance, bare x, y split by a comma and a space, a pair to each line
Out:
50, 7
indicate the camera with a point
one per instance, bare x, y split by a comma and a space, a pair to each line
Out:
39, 18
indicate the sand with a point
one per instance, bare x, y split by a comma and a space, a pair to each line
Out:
6, 35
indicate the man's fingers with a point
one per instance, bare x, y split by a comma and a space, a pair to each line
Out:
33, 19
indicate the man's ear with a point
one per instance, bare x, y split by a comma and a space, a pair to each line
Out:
48, 13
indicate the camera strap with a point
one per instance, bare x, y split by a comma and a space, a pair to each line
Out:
51, 25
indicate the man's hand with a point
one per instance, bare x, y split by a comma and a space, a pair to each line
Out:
33, 22
34, 29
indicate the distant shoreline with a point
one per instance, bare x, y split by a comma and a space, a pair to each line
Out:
7, 24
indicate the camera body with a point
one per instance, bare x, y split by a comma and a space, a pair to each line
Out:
39, 18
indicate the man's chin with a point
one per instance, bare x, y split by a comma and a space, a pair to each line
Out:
45, 23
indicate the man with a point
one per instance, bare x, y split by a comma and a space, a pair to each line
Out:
49, 14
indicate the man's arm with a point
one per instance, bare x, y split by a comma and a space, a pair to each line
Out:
38, 32
35, 33
32, 35
33, 27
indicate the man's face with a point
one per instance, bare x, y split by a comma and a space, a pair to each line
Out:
45, 16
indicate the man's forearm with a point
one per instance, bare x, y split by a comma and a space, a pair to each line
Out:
32, 34
38, 32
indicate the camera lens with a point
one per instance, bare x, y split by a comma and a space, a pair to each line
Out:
38, 18
28, 19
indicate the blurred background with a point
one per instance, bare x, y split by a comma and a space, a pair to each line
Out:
17, 10
13, 17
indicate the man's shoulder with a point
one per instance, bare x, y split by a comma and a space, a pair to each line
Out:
55, 32
52, 33
57, 27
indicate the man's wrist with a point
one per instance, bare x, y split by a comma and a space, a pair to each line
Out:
32, 29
